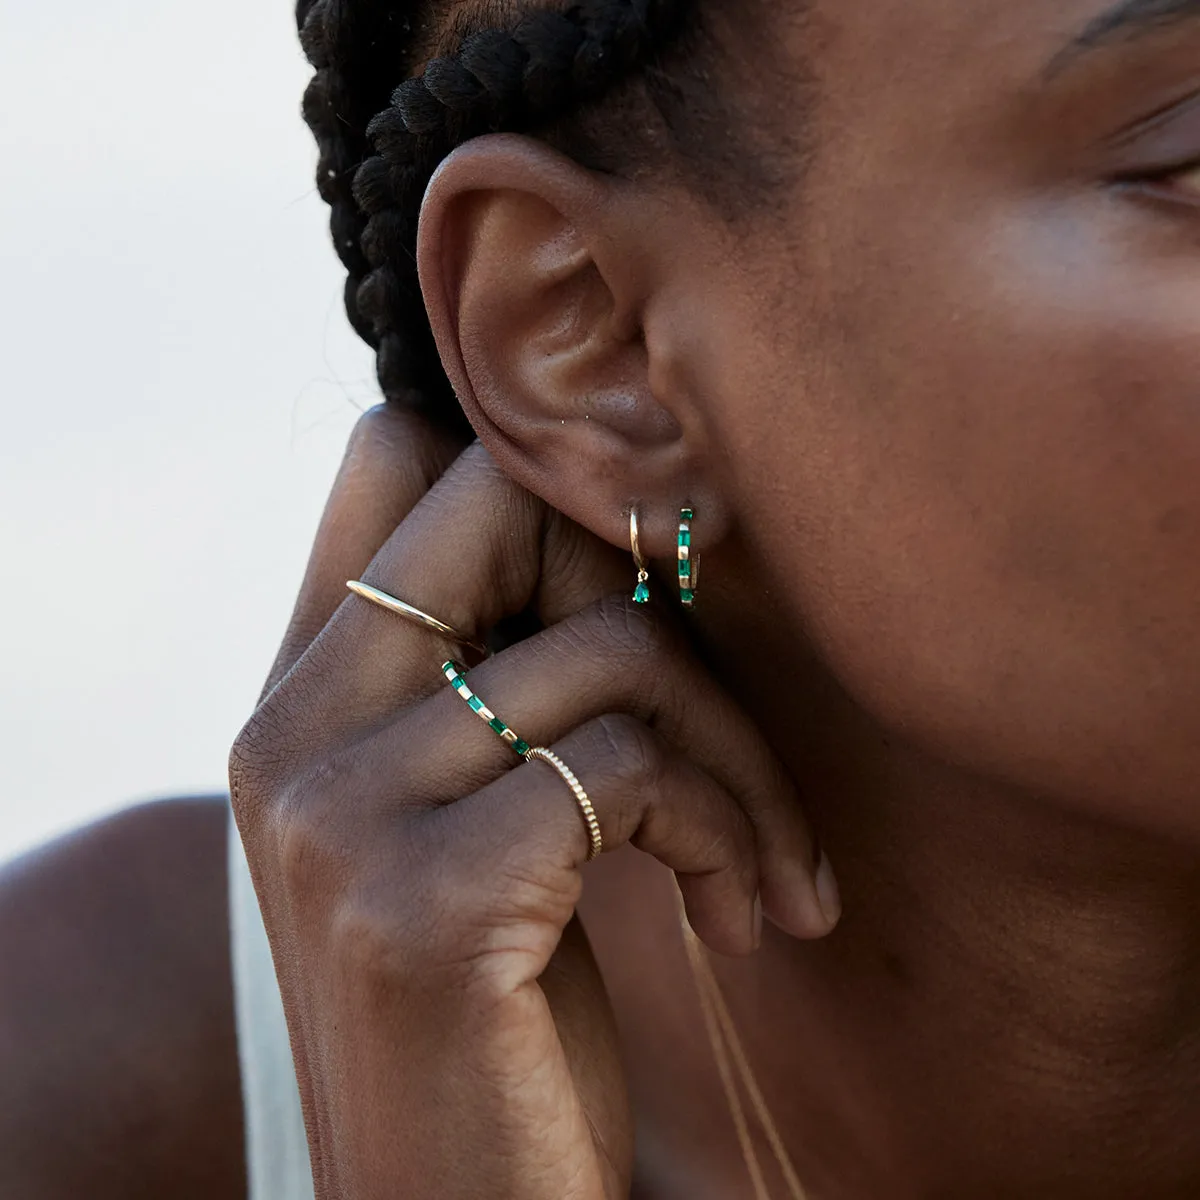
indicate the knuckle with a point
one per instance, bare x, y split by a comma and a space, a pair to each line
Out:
284, 734
635, 638
386, 951
731, 847
259, 760
469, 920
370, 944
403, 444
418, 920
637, 757
300, 845
636, 631
314, 845
274, 727
473, 476
290, 815
381, 430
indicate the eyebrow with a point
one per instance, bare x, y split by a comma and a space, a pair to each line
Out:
1127, 21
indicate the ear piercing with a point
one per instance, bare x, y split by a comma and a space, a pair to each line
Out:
641, 594
689, 563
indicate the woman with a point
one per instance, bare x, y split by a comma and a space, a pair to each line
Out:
894, 309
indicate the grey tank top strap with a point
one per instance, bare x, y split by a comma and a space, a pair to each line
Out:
276, 1146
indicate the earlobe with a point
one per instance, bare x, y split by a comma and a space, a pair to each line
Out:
537, 274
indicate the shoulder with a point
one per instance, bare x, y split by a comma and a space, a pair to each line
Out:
118, 1056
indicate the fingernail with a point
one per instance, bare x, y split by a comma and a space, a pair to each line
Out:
827, 892
756, 920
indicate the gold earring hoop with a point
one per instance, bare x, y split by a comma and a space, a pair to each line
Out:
641, 594
689, 563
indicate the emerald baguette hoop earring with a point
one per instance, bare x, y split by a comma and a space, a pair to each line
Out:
641, 594
454, 673
689, 563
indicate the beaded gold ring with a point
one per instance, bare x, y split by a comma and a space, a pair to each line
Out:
586, 809
454, 673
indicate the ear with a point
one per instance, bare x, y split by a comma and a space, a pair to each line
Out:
548, 287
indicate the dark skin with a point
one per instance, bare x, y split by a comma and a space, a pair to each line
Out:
118, 1064
936, 417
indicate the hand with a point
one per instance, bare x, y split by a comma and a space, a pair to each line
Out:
451, 1032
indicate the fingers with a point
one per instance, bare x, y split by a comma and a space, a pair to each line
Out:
527, 827
475, 549
393, 459
611, 658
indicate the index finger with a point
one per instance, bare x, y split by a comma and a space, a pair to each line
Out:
393, 458
477, 548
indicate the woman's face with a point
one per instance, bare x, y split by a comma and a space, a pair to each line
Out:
975, 431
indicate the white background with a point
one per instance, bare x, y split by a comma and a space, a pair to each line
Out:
178, 382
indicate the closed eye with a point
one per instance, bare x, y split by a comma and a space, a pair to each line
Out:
1187, 179
1180, 183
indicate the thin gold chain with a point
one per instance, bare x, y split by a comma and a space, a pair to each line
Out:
726, 1045
712, 1025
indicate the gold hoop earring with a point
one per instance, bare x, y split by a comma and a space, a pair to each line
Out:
641, 594
689, 563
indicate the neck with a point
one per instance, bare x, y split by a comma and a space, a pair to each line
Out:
1011, 1006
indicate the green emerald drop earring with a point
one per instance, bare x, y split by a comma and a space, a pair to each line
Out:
689, 563
641, 594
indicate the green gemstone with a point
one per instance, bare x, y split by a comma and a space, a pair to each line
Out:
641, 594
687, 595
685, 537
475, 703
685, 568
522, 748
498, 725
687, 515
449, 668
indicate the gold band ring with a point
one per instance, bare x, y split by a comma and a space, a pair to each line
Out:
586, 810
401, 609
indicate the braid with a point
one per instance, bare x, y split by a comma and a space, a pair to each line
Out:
541, 67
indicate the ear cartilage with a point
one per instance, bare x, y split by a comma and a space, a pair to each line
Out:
689, 563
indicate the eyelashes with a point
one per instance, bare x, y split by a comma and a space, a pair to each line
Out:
1186, 179
1161, 152
1179, 185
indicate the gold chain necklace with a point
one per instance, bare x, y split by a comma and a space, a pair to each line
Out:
730, 1057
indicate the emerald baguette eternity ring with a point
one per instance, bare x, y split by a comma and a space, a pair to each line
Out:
454, 673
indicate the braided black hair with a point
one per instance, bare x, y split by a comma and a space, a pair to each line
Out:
501, 66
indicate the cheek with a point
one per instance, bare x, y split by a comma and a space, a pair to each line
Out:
993, 510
